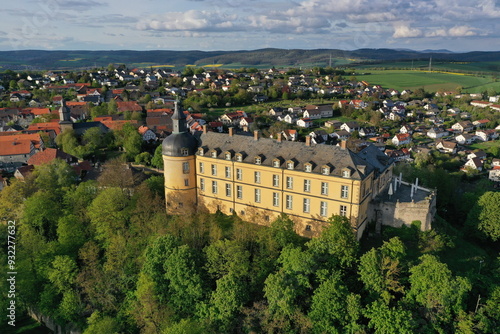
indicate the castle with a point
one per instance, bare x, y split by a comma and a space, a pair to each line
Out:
260, 178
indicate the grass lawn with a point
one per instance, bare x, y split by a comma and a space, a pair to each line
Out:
407, 79
485, 145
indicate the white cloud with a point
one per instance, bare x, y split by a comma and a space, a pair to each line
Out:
192, 20
405, 31
456, 31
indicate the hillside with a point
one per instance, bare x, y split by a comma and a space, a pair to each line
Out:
37, 59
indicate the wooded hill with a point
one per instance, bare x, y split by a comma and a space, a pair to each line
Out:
39, 59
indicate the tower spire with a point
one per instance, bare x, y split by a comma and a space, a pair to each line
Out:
178, 118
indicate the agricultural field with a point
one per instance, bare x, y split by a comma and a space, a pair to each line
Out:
430, 81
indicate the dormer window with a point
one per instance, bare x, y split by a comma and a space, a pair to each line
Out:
308, 167
258, 160
325, 170
227, 156
346, 173
184, 152
290, 164
213, 154
276, 163
239, 157
201, 151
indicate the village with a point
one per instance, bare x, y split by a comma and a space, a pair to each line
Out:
328, 105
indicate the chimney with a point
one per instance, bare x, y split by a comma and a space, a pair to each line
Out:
308, 140
343, 144
205, 129
231, 131
280, 137
256, 135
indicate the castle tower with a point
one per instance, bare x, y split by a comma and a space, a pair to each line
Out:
65, 117
179, 167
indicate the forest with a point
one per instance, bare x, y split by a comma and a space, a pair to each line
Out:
104, 256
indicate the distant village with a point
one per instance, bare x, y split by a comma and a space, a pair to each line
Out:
292, 104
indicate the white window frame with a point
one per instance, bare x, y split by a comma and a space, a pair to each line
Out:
290, 165
228, 189
258, 160
323, 209
214, 154
306, 205
276, 163
308, 168
289, 182
257, 196
256, 177
276, 199
289, 202
343, 210
214, 187
276, 180
344, 191
202, 168
307, 186
239, 174
239, 192
324, 188
325, 170
184, 152
202, 184
228, 156
214, 169
185, 167
227, 172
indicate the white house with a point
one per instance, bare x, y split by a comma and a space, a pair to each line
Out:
401, 139
465, 139
305, 122
436, 133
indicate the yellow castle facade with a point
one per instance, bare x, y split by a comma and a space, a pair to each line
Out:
260, 178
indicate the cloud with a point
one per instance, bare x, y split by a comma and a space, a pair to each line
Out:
456, 31
404, 31
192, 20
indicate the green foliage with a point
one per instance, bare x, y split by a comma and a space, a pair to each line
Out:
389, 320
157, 160
143, 158
484, 218
98, 324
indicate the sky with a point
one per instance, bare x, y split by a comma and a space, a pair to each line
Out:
208, 25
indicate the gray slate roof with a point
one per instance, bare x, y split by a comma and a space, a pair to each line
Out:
360, 165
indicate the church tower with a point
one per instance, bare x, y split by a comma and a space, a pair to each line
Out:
179, 167
65, 117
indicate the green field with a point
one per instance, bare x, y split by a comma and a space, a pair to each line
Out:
430, 81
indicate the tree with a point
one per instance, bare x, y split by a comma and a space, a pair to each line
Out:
227, 257
329, 304
484, 217
157, 160
336, 247
143, 158
389, 320
434, 288
63, 273
98, 324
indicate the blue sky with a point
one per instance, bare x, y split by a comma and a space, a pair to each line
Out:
457, 25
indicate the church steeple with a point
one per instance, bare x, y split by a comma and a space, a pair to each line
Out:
64, 113
178, 118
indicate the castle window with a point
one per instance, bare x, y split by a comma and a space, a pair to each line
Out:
276, 199
308, 168
201, 151
185, 167
257, 177
184, 152
214, 187
228, 189
276, 180
276, 163
228, 172
325, 170
257, 195
202, 184
306, 205
344, 191
307, 186
324, 188
289, 202
343, 210
346, 173
290, 165
323, 210
239, 174
239, 192
258, 160
239, 157
214, 154
228, 156
214, 170
289, 182
202, 167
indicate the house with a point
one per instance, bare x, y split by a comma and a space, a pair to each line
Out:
494, 174
305, 122
406, 129
436, 133
289, 134
367, 131
465, 139
398, 155
464, 126
319, 136
401, 139
312, 113
341, 135
486, 135
477, 154
232, 118
350, 126
480, 123
128, 106
22, 172
446, 146
287, 119
474, 163
216, 126
245, 122
480, 104
276, 111
146, 133
48, 155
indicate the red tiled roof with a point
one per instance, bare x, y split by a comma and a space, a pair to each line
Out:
15, 147
9, 137
47, 156
128, 106
38, 111
53, 125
